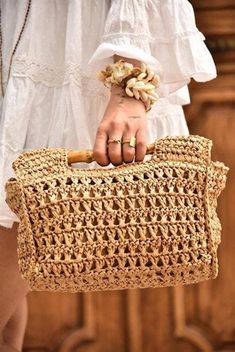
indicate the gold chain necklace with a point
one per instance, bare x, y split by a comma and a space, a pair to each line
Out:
15, 47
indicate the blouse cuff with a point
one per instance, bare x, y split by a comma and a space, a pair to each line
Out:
162, 34
175, 61
185, 57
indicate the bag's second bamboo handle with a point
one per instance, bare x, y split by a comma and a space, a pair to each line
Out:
75, 156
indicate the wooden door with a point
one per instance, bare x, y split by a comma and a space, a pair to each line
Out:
186, 319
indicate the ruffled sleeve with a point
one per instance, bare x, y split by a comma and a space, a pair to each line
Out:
161, 33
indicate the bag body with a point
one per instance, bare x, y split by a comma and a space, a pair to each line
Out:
143, 224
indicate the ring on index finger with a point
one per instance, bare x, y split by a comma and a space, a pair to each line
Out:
115, 140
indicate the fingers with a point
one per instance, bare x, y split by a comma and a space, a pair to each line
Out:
141, 146
115, 149
122, 120
117, 153
128, 152
138, 153
100, 154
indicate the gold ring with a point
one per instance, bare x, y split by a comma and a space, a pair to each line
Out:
115, 140
131, 141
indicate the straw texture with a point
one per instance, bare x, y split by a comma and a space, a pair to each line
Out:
145, 224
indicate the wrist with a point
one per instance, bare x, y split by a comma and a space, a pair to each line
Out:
129, 83
120, 98
117, 90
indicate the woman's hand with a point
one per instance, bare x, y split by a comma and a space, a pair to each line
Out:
124, 118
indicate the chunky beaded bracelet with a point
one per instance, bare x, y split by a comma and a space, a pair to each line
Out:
138, 82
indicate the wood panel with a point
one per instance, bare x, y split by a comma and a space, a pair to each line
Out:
210, 306
210, 5
212, 115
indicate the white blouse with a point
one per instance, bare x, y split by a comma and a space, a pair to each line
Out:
53, 99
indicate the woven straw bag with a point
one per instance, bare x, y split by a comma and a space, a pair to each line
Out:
137, 225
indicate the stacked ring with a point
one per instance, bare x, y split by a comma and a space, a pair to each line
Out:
132, 142
115, 140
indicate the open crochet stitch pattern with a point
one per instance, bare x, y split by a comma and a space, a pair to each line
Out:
143, 224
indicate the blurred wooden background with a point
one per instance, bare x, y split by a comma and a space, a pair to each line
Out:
186, 319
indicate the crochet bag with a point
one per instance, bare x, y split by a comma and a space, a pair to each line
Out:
143, 224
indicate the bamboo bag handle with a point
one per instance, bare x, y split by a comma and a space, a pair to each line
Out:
75, 156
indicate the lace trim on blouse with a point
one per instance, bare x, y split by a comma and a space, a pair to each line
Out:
52, 76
